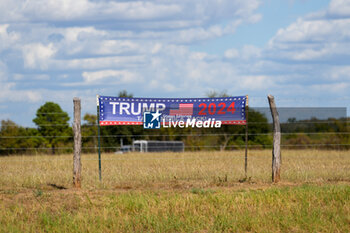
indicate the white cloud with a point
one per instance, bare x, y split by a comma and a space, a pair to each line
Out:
99, 62
110, 77
333, 88
37, 55
86, 47
11, 11
309, 30
340, 8
129, 11
22, 77
7, 39
8, 92
316, 37
259, 82
304, 59
73, 34
116, 47
156, 48
3, 71
340, 73
231, 54
170, 87
250, 52
59, 10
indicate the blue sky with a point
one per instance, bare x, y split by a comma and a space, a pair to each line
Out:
54, 50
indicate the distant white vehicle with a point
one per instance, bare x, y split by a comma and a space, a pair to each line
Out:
153, 146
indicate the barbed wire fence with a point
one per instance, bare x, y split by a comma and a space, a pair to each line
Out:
114, 148
320, 133
110, 141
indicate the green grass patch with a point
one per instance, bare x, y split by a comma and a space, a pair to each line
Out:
305, 208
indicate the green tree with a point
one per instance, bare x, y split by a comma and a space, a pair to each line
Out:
16, 139
52, 123
9, 137
125, 94
213, 94
89, 132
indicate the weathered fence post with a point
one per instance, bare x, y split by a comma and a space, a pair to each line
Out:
99, 137
246, 139
77, 143
276, 151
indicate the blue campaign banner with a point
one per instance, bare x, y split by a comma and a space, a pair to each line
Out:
130, 111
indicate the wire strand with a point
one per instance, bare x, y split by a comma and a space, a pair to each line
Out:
161, 147
179, 135
249, 123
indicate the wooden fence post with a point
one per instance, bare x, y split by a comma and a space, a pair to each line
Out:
77, 143
276, 151
246, 139
99, 137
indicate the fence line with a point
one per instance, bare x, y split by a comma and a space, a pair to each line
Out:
38, 159
249, 123
214, 135
193, 147
45, 125
179, 135
201, 146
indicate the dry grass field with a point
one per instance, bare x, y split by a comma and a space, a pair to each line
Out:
177, 192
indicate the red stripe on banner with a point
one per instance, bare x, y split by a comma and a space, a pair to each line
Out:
234, 122
120, 123
141, 123
224, 122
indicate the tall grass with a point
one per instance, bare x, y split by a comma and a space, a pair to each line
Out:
177, 192
306, 208
173, 170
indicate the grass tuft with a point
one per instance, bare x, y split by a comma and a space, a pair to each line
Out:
202, 191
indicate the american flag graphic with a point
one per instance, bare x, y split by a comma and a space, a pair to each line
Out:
184, 110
